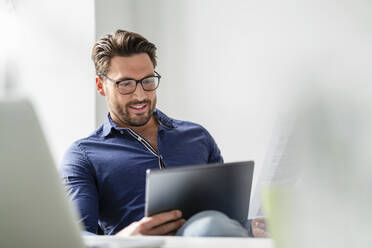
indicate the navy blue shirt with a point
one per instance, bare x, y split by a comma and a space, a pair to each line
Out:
105, 173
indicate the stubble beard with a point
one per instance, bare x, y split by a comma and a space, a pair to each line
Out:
123, 114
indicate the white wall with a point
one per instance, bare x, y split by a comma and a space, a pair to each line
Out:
234, 66
229, 65
220, 61
109, 16
206, 75
49, 61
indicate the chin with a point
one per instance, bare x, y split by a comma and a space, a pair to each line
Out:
138, 122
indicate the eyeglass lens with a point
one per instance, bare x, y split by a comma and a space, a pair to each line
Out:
129, 86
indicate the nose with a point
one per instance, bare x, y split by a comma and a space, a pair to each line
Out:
139, 93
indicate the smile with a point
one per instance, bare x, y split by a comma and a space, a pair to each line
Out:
139, 106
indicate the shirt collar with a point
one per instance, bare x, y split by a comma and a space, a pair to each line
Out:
164, 120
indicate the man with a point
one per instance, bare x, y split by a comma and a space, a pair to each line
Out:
105, 172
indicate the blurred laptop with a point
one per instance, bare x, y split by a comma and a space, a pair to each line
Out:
34, 209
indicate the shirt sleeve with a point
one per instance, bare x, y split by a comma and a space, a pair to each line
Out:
79, 178
214, 153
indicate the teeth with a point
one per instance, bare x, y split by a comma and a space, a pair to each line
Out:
138, 106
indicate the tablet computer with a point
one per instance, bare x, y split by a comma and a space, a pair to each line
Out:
192, 189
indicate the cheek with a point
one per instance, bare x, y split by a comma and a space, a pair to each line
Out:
151, 96
121, 100
112, 98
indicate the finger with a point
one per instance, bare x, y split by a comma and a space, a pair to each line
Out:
167, 228
259, 233
260, 225
159, 219
260, 220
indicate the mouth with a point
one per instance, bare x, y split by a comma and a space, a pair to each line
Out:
138, 108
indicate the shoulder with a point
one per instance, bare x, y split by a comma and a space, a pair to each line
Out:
197, 135
186, 128
189, 125
79, 145
76, 154
176, 123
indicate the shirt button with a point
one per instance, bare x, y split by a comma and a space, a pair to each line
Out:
121, 132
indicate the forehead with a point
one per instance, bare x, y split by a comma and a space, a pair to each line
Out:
134, 66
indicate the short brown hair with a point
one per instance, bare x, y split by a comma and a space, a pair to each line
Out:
121, 43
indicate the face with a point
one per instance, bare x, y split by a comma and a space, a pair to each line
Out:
135, 109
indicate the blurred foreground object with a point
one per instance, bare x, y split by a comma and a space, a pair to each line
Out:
34, 210
328, 155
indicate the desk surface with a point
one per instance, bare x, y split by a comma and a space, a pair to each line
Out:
183, 242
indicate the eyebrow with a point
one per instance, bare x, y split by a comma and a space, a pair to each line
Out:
129, 78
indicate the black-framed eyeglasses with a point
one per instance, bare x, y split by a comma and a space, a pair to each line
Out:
128, 86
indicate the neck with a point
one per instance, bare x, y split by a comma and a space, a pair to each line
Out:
149, 127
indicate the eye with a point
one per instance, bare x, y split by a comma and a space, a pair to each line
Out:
150, 80
126, 84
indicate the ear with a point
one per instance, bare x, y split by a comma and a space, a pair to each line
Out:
99, 86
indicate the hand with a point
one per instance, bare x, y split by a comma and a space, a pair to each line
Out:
259, 228
166, 223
